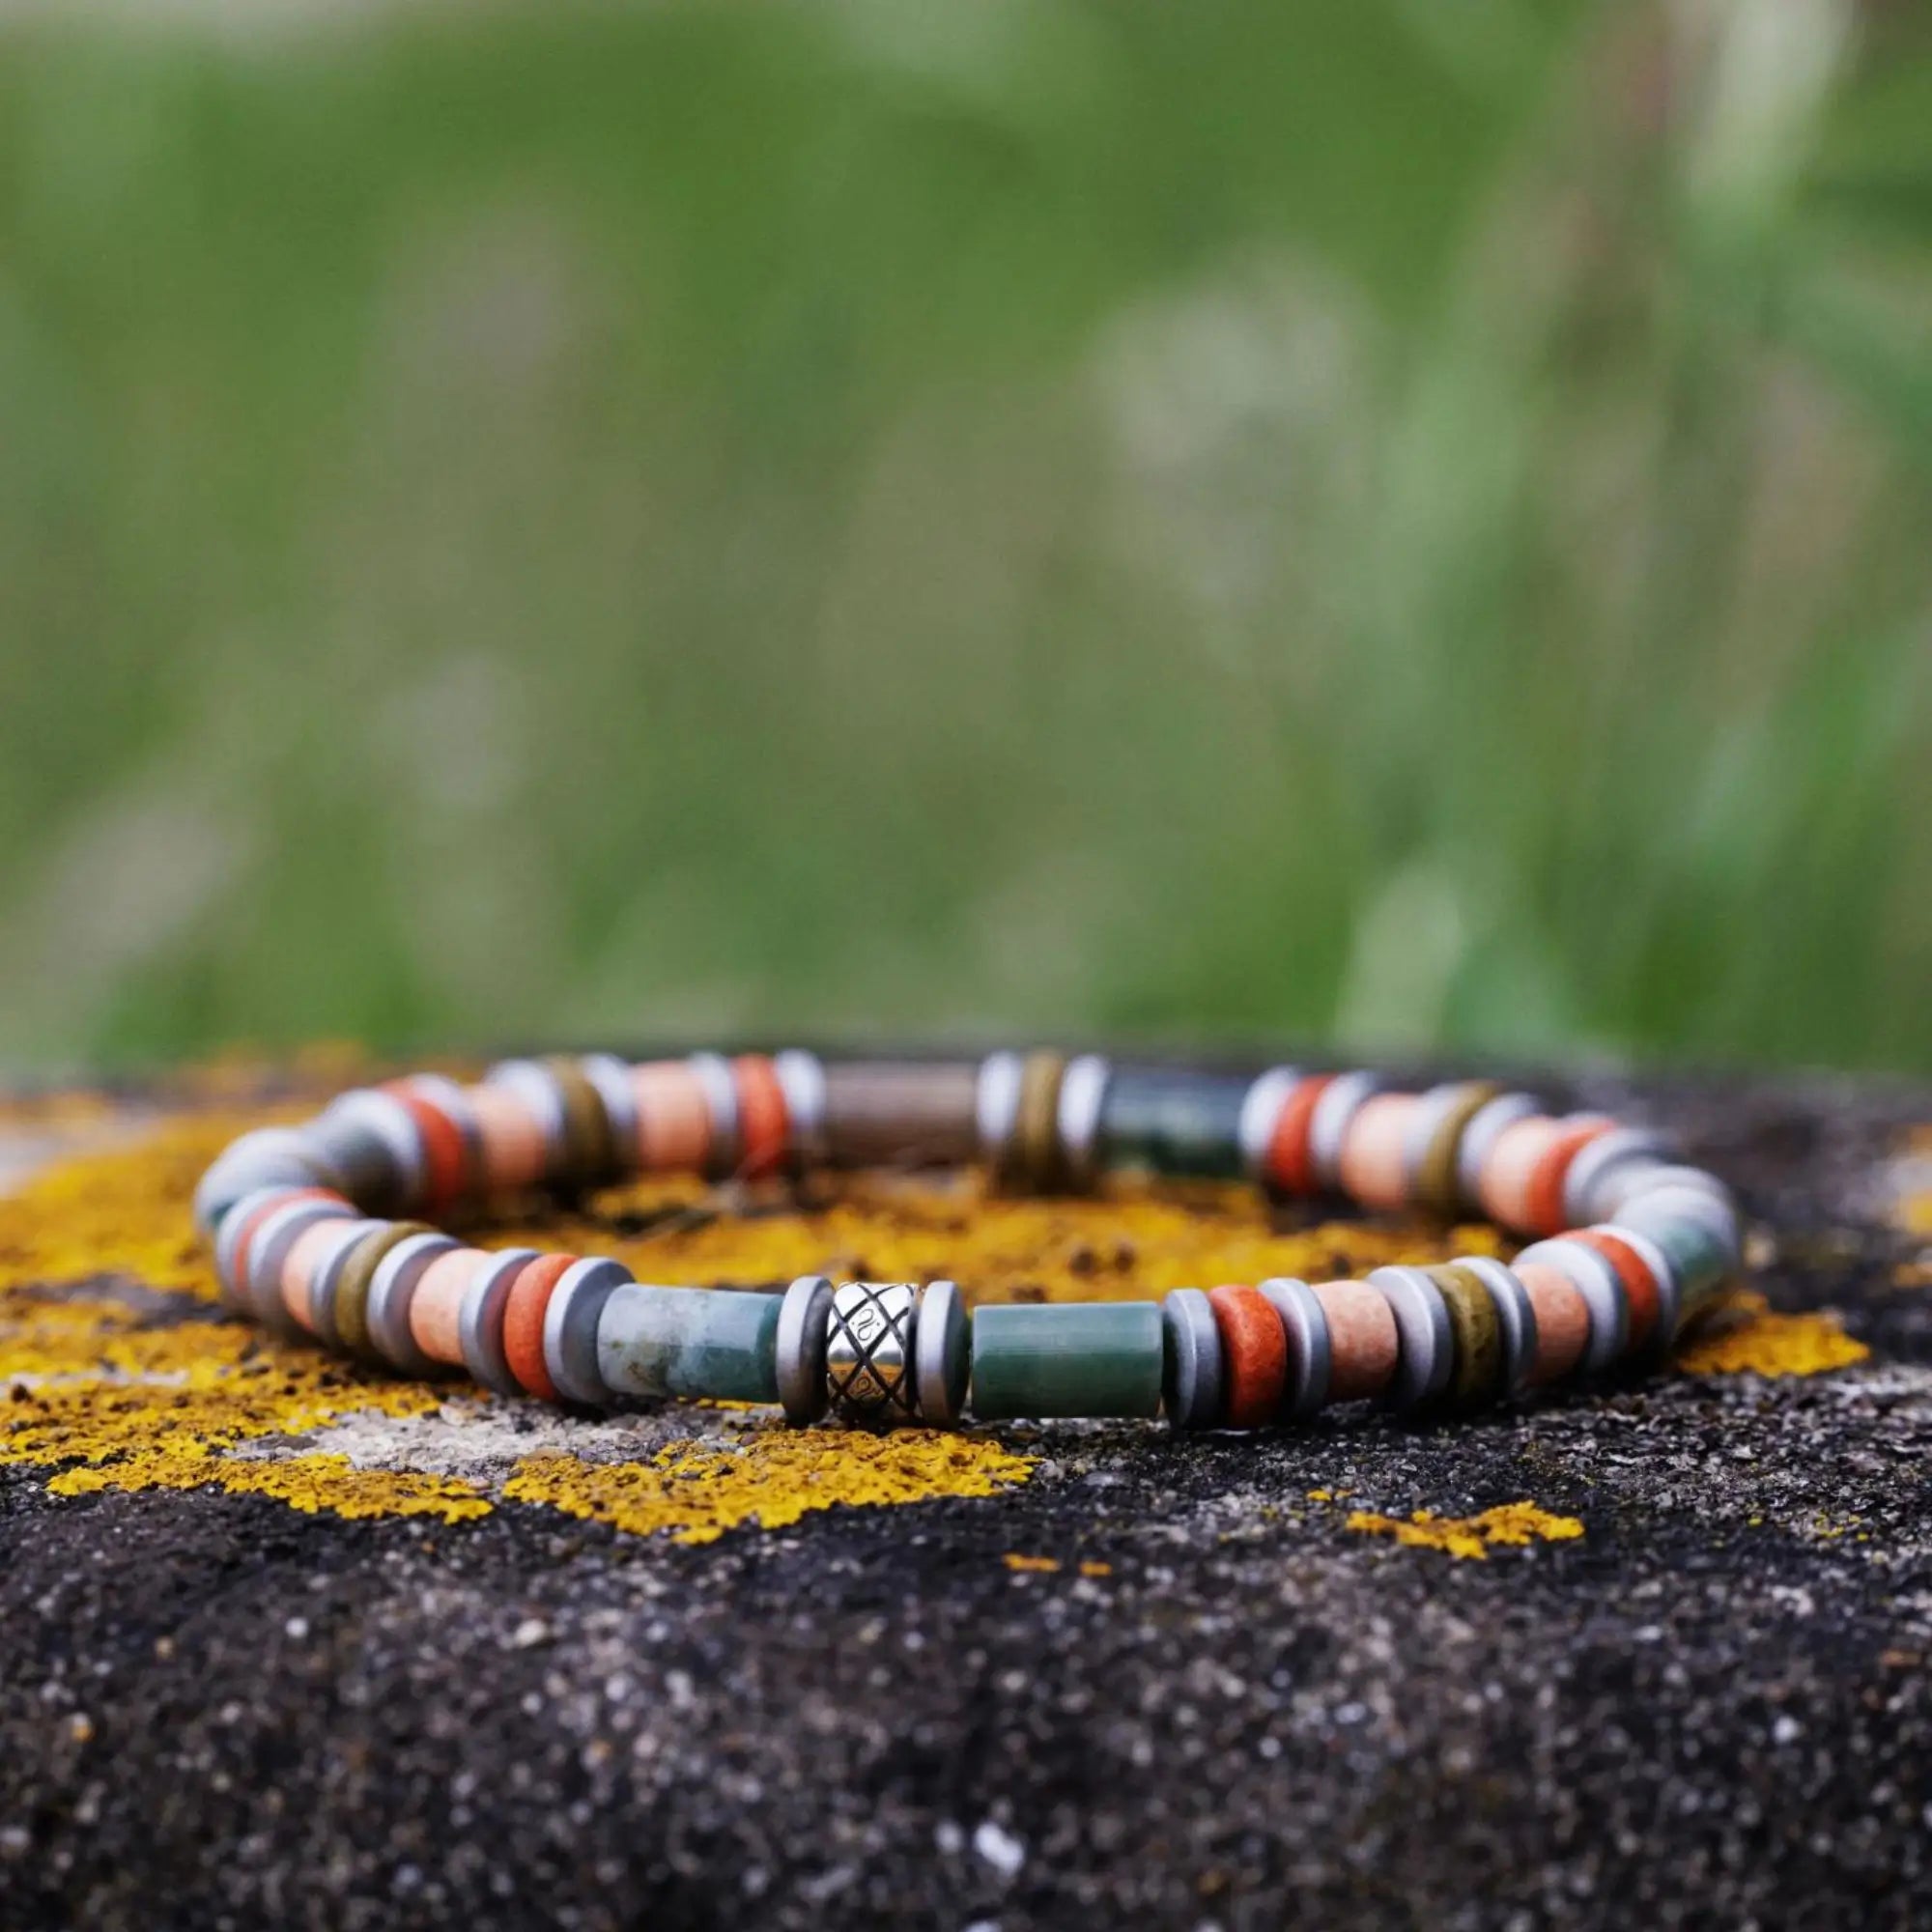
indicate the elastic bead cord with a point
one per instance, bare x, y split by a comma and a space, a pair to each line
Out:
1634, 1243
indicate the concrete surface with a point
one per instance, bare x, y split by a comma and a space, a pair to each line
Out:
1224, 1681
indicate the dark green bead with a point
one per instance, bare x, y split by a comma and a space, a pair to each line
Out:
1066, 1358
1179, 1124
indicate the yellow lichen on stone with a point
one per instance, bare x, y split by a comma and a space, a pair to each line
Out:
698, 1491
1470, 1538
126, 1211
109, 1402
1745, 1336
1134, 1239
306, 1482
112, 1394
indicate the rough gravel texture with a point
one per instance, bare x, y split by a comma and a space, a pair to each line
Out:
1710, 1707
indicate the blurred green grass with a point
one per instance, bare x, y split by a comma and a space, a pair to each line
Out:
1398, 523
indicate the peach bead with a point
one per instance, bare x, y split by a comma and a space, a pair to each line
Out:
1362, 1341
1562, 1320
514, 1155
1504, 1184
305, 1257
674, 1118
439, 1302
1375, 1151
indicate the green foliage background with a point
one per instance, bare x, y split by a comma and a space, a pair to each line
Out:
1391, 522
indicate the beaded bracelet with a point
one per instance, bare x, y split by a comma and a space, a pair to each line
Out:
1630, 1246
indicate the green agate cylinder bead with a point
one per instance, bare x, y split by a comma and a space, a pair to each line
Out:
1179, 1124
690, 1342
1066, 1358
1698, 1256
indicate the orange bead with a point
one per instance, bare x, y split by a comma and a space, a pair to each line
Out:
764, 1125
1254, 1350
1543, 1197
1362, 1339
524, 1321
445, 1159
1375, 1151
1562, 1320
438, 1304
674, 1118
1641, 1295
1290, 1164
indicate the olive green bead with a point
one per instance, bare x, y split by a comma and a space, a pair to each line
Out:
1066, 1358
1479, 1377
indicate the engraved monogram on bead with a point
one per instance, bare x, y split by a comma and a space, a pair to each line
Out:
869, 1351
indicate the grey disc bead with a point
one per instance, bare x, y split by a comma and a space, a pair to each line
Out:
1083, 1087
803, 1315
1259, 1111
1516, 1317
1432, 1106
801, 1078
1597, 1281
714, 1075
942, 1354
261, 1291
1592, 1173
570, 1327
267, 1157
996, 1105
1194, 1375
1310, 1353
379, 1145
1690, 1193
1485, 1129
371, 1176
451, 1100
612, 1080
392, 1288
228, 1238
479, 1320
536, 1086
1341, 1100
1426, 1342
1669, 1292
322, 1289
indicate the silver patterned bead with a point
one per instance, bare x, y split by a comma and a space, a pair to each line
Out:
869, 1351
